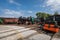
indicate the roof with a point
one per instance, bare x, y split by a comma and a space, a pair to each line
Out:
8, 18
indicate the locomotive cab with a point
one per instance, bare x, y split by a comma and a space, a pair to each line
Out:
52, 23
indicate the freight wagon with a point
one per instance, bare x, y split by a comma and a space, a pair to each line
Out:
8, 20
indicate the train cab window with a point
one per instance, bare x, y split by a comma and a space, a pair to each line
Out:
57, 18
49, 19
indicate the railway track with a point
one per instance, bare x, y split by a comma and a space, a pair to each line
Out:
22, 33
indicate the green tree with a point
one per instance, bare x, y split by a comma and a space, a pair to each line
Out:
56, 13
49, 15
38, 14
42, 14
1, 20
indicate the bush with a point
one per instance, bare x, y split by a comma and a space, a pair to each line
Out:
1, 20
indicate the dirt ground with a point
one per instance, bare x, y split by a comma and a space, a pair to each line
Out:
22, 30
35, 27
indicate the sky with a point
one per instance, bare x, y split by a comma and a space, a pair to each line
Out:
17, 8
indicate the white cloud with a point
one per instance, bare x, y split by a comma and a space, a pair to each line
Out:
54, 4
8, 16
12, 13
12, 1
30, 12
42, 6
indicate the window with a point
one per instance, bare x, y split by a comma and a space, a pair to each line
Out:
57, 18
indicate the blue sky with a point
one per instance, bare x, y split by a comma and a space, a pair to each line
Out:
16, 8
